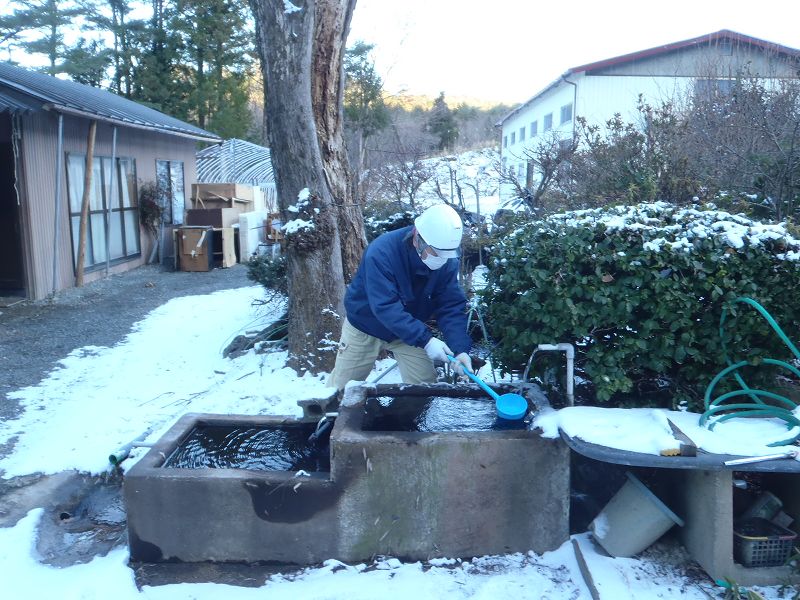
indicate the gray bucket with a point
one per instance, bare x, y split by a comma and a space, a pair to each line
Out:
632, 520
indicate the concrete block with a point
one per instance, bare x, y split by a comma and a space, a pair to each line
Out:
227, 515
420, 495
409, 494
706, 499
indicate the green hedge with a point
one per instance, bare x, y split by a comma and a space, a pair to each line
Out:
640, 290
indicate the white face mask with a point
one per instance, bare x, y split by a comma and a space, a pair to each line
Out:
434, 262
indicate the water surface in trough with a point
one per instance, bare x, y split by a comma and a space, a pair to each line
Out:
259, 448
434, 414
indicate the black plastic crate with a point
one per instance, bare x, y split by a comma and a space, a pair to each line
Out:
761, 543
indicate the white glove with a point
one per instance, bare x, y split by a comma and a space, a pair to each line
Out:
463, 361
436, 349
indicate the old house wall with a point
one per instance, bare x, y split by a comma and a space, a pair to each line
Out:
38, 176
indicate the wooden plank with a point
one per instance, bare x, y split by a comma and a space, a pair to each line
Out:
585, 572
87, 190
228, 247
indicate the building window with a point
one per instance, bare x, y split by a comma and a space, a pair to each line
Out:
709, 89
170, 188
110, 209
534, 128
521, 134
513, 137
566, 113
548, 122
521, 170
505, 141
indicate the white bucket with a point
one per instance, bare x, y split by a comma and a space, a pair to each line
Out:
632, 520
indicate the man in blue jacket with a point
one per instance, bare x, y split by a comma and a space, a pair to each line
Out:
406, 277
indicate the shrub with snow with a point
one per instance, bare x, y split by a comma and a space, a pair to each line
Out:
640, 291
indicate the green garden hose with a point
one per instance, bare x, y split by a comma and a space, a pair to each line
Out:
756, 408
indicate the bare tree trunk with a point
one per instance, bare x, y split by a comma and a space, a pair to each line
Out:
327, 80
87, 190
314, 263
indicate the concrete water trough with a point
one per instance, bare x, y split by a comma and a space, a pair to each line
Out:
415, 472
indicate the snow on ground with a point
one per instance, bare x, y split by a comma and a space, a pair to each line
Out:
170, 364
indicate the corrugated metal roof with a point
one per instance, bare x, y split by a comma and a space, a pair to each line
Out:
60, 95
14, 102
722, 34
235, 161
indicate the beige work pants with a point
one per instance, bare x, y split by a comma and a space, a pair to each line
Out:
357, 352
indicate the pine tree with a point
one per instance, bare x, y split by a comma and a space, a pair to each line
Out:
45, 21
155, 80
216, 49
442, 123
111, 16
87, 62
364, 110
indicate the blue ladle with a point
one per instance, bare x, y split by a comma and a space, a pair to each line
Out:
509, 406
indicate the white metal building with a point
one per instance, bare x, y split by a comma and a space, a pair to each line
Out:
598, 90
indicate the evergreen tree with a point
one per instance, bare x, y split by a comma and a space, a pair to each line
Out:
155, 80
87, 62
364, 111
10, 26
215, 52
442, 124
44, 21
363, 93
111, 16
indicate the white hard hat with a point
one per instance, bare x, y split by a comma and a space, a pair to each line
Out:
440, 227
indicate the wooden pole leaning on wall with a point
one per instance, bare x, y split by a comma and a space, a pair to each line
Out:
87, 189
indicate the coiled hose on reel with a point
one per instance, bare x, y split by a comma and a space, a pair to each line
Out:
756, 407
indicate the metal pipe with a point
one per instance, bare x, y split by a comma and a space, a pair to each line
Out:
386, 372
574, 102
59, 173
569, 350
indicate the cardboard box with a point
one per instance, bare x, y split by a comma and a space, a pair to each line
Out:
194, 248
215, 217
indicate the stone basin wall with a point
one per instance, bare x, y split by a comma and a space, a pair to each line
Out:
413, 495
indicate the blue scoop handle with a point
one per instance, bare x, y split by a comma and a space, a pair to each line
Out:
477, 380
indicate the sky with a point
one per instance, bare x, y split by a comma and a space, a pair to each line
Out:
508, 50
148, 398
